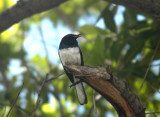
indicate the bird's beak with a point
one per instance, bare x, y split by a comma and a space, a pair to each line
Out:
79, 35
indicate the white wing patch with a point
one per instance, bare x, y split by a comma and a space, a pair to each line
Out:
70, 56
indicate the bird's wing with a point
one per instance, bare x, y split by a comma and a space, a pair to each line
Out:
82, 62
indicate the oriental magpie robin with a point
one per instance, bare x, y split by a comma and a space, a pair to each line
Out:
70, 53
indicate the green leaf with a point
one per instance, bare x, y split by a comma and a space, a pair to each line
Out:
127, 70
108, 16
130, 17
97, 53
136, 46
91, 31
116, 49
140, 72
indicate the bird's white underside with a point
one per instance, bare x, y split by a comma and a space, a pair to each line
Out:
72, 56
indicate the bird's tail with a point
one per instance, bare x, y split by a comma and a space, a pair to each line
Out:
82, 97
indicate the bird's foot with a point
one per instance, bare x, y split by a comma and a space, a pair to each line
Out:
108, 69
75, 83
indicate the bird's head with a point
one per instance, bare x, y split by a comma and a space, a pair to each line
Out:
71, 37
70, 40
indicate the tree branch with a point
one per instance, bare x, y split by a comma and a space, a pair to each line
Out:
24, 9
27, 8
145, 76
15, 100
38, 99
151, 7
116, 91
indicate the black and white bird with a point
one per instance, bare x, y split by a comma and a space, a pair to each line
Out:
70, 53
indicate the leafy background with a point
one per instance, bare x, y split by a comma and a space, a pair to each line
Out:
113, 35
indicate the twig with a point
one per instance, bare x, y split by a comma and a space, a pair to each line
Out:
45, 47
55, 93
4, 78
56, 96
53, 78
4, 112
61, 108
23, 110
75, 83
97, 98
94, 104
149, 66
77, 76
152, 113
39, 94
15, 100
15, 106
156, 90
89, 111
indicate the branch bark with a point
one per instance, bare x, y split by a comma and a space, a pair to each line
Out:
27, 8
116, 91
150, 7
24, 9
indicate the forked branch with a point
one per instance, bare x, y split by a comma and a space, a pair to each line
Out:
116, 91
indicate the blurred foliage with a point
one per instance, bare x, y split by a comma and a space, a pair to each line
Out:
127, 47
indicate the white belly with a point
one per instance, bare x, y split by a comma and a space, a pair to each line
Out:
70, 56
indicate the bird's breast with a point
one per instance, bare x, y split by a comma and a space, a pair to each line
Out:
70, 56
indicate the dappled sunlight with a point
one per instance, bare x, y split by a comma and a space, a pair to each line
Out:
113, 36
48, 108
7, 35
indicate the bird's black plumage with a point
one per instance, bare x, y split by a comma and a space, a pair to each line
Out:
69, 41
70, 53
